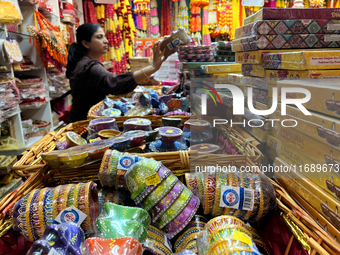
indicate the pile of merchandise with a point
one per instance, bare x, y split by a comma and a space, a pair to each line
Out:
9, 95
32, 91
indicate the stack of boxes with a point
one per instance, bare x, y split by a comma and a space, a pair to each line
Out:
282, 48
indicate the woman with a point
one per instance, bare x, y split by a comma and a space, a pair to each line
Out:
90, 81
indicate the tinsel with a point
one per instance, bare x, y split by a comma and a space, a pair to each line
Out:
154, 20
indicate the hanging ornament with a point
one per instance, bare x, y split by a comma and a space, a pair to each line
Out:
206, 39
183, 15
199, 3
154, 20
165, 18
175, 16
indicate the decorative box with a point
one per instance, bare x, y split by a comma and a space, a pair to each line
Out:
293, 14
258, 133
272, 76
221, 68
286, 41
253, 70
298, 26
303, 60
255, 82
235, 79
323, 202
325, 95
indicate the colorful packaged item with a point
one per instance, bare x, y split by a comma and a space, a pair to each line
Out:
121, 246
221, 68
298, 26
303, 60
293, 14
253, 70
286, 41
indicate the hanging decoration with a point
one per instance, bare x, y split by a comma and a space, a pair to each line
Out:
212, 15
165, 18
195, 22
89, 12
199, 3
170, 18
316, 3
154, 20
206, 39
175, 15
48, 42
183, 20
142, 10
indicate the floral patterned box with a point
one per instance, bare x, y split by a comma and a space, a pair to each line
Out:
253, 70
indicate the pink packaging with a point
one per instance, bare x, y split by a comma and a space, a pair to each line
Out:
170, 82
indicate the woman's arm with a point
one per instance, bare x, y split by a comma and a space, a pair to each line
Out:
158, 59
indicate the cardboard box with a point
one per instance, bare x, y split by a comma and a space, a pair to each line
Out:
325, 95
319, 127
286, 41
221, 68
255, 82
262, 96
258, 133
253, 70
235, 79
298, 26
260, 106
272, 76
293, 14
303, 60
323, 202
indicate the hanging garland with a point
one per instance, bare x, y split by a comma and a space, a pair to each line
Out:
195, 22
175, 15
142, 11
206, 39
154, 20
212, 15
183, 20
199, 3
165, 18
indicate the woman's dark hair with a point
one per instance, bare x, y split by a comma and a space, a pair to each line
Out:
77, 50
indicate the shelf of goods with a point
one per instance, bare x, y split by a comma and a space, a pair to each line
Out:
41, 111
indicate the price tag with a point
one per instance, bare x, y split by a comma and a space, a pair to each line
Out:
152, 179
242, 237
237, 198
70, 214
53, 252
169, 131
196, 123
138, 121
204, 147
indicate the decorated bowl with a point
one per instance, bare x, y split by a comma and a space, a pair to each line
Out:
124, 245
137, 124
103, 123
110, 228
196, 126
119, 143
73, 159
170, 134
174, 104
97, 152
136, 136
199, 51
108, 133
135, 178
151, 135
74, 139
206, 148
171, 122
119, 212
51, 158
111, 112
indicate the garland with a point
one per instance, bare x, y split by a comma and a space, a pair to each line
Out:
154, 20
183, 20
175, 16
205, 33
165, 18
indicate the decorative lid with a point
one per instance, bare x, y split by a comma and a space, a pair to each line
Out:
196, 122
75, 138
138, 122
111, 112
170, 131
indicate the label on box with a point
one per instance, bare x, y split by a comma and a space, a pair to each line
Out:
152, 179
242, 237
237, 198
315, 61
53, 252
70, 214
126, 161
333, 26
174, 44
330, 38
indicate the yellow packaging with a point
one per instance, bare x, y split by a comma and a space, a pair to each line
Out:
303, 60
319, 127
235, 79
259, 134
321, 153
325, 95
260, 106
253, 70
222, 68
324, 203
272, 76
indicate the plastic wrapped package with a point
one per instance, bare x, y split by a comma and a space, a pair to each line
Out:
119, 221
225, 234
293, 14
97, 125
253, 70
217, 188
121, 246
39, 208
27, 123
155, 247
221, 68
197, 131
298, 26
196, 53
35, 103
137, 124
170, 43
66, 238
118, 197
172, 139
303, 60
26, 82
